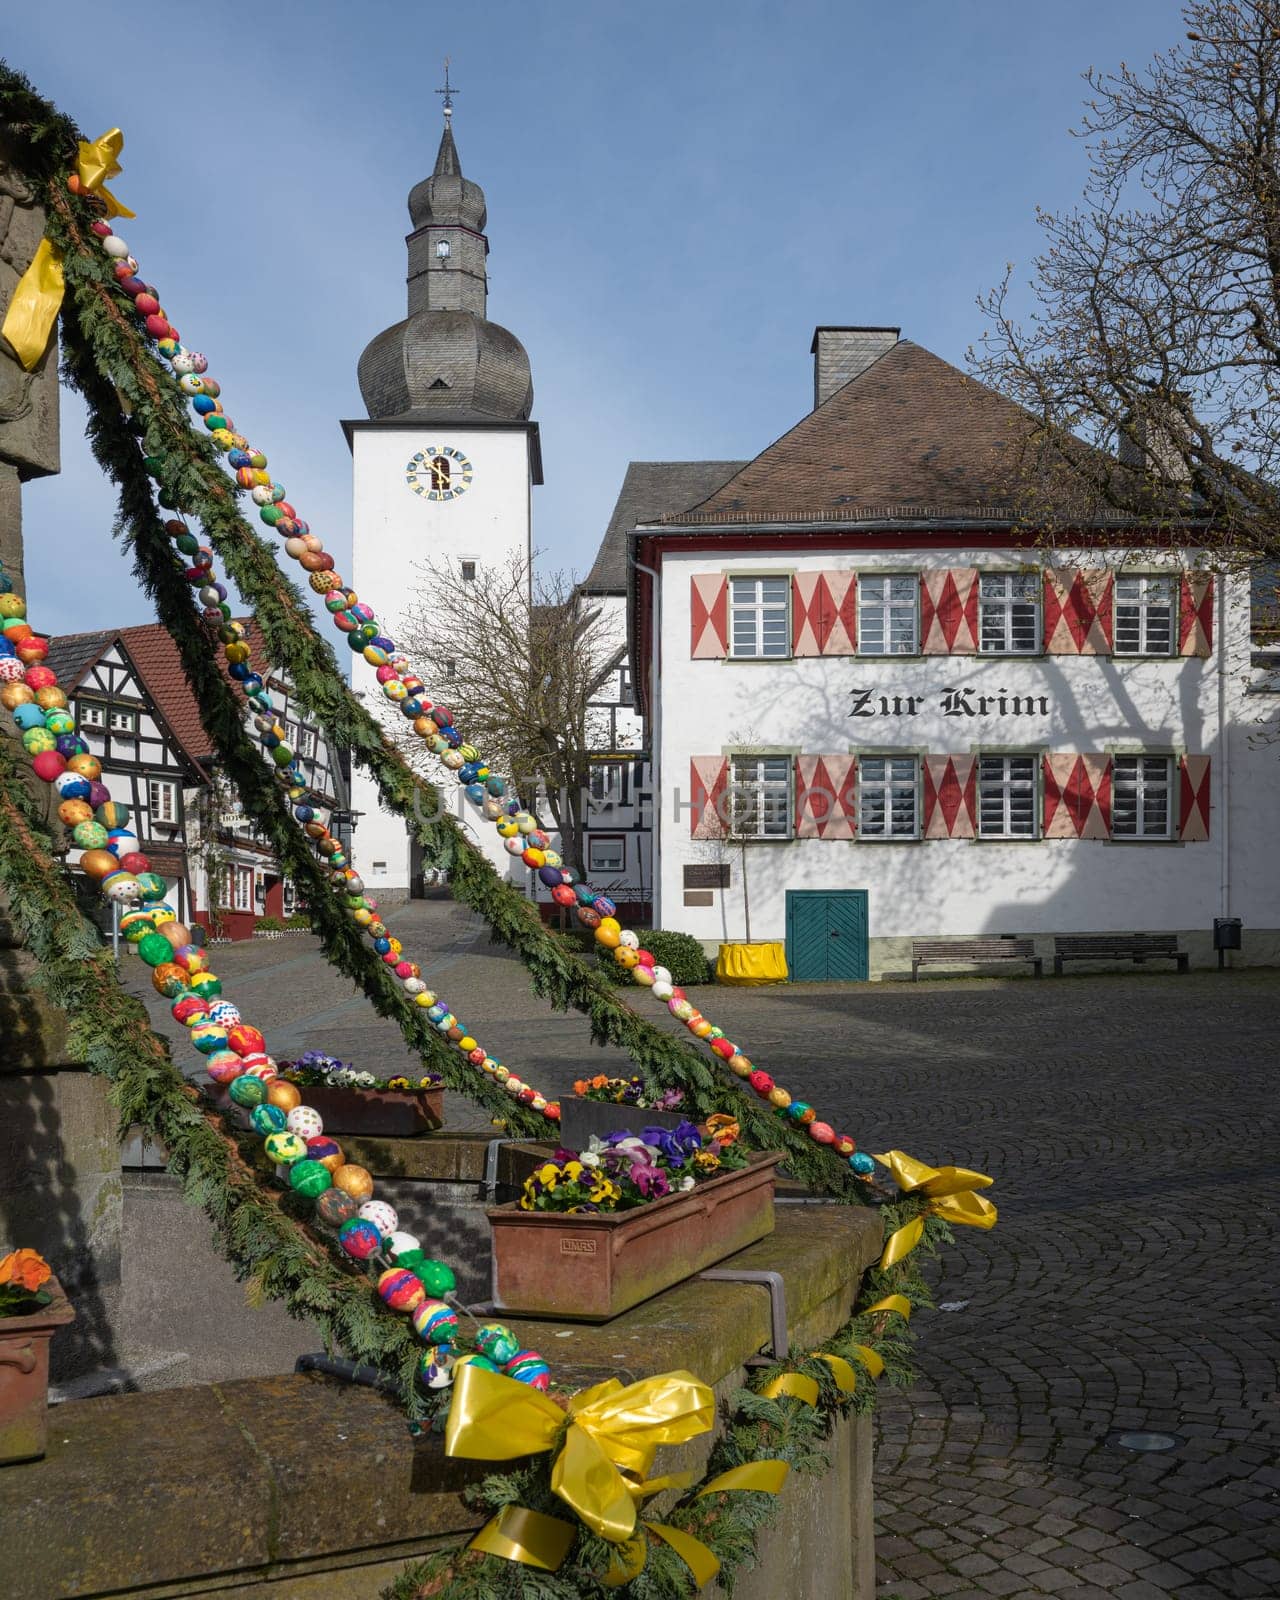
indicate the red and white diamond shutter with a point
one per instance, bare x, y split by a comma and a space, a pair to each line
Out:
1077, 797
950, 796
708, 615
824, 614
708, 783
949, 612
826, 801
1193, 799
1195, 614
1078, 611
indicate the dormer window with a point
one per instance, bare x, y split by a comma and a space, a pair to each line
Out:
442, 249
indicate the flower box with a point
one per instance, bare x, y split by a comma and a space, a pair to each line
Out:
24, 1376
590, 1266
579, 1119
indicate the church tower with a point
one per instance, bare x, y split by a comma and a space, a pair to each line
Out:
444, 465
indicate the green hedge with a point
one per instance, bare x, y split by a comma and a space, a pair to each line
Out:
680, 953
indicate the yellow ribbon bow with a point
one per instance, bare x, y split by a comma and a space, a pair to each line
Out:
950, 1193
33, 309
612, 1430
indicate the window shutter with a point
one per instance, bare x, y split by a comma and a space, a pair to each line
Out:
1193, 799
950, 798
824, 614
949, 612
1078, 610
1195, 614
1077, 797
709, 615
708, 781
826, 804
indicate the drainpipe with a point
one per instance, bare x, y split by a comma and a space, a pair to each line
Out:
1224, 761
655, 723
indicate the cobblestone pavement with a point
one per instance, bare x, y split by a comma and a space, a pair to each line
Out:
1131, 1284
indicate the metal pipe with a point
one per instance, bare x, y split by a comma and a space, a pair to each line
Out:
340, 1367
655, 732
772, 1281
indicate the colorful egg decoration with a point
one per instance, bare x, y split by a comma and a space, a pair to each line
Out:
266, 1119
336, 1208
400, 1289
359, 1238
382, 1216
435, 1367
308, 1177
527, 1366
306, 1121
282, 1148
247, 1091
434, 1322
496, 1340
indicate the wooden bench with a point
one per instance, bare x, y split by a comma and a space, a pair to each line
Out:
1138, 947
931, 952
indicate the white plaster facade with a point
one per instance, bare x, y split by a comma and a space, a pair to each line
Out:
394, 530
1105, 704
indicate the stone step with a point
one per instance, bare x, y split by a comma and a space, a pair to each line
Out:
138, 1370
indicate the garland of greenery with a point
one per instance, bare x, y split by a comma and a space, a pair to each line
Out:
261, 1229
107, 359
757, 1428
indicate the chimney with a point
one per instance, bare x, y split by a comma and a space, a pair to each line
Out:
841, 354
1149, 442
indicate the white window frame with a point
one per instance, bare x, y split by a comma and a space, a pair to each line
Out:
887, 784
757, 783
607, 785
130, 717
878, 607
92, 714
242, 887
1005, 786
1000, 609
1143, 785
166, 814
1154, 591
616, 842
755, 607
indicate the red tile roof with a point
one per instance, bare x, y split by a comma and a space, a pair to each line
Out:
155, 658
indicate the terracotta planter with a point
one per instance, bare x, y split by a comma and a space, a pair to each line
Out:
384, 1113
24, 1376
591, 1267
579, 1119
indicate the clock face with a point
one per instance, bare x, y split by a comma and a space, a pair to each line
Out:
439, 472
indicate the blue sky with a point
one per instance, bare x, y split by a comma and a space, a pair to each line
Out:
677, 194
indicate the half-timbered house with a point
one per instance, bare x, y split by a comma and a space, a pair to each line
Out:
138, 715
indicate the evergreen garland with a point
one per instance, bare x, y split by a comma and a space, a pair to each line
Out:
261, 1230
107, 358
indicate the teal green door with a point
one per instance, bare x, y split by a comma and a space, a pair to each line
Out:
827, 935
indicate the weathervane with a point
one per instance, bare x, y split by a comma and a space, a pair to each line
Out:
448, 92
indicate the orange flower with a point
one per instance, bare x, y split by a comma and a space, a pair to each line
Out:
600, 1081
581, 1086
723, 1129
25, 1269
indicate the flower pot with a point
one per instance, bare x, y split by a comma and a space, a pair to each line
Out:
24, 1376
588, 1267
383, 1113
390, 1113
579, 1119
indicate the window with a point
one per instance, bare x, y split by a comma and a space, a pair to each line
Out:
1007, 797
162, 802
887, 616
887, 797
1144, 616
608, 783
759, 797
468, 572
442, 249
1009, 613
304, 740
626, 694
242, 888
1141, 796
606, 854
379, 866
123, 720
92, 714
758, 617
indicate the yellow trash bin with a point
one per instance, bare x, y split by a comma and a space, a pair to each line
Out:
752, 963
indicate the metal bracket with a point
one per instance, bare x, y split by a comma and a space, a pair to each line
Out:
777, 1305
489, 1188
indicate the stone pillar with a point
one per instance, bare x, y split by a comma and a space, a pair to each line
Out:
60, 1189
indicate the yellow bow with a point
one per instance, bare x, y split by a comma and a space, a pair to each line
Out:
34, 306
949, 1191
610, 1430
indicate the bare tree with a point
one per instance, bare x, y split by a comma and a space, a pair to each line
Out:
519, 657
1156, 330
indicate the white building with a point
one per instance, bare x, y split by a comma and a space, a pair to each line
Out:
444, 465
898, 715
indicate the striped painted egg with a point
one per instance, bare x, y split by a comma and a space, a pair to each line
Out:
328, 1152
224, 1065
400, 1288
527, 1366
434, 1322
207, 1037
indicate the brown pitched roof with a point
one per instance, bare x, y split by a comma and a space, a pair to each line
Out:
155, 659
912, 436
650, 490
